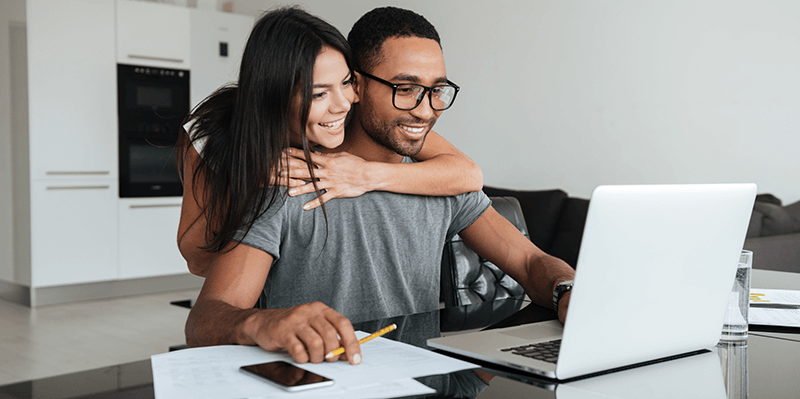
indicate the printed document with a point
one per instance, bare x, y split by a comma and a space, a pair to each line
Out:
387, 369
770, 307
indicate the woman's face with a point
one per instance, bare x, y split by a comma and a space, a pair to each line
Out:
331, 98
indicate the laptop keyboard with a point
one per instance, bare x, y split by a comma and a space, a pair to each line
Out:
544, 351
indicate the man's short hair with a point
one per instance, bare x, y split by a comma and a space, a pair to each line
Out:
373, 28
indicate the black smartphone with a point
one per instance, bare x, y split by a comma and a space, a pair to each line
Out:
287, 376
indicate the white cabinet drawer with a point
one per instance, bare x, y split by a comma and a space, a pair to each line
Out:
148, 230
73, 231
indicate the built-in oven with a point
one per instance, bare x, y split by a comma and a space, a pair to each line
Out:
152, 104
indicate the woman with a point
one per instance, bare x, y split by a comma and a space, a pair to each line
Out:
294, 91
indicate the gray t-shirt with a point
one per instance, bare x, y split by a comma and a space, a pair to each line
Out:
379, 255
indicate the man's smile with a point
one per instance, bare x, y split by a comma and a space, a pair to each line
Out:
414, 131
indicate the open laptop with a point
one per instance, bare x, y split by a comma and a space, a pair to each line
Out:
653, 279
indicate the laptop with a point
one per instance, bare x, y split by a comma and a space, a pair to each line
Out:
652, 281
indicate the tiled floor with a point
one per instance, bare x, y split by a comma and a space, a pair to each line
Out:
59, 339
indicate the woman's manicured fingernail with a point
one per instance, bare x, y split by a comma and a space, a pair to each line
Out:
306, 206
292, 192
357, 358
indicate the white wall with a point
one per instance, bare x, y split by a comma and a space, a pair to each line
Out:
12, 15
573, 94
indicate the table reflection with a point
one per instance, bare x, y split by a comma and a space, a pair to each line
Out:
733, 362
695, 376
720, 373
416, 329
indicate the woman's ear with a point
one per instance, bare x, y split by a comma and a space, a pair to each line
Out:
357, 78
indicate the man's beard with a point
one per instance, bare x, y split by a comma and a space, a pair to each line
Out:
385, 132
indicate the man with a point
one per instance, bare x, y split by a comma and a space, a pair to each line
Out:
373, 256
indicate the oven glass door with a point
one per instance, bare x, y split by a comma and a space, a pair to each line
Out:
152, 103
148, 169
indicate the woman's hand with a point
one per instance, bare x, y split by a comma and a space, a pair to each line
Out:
341, 175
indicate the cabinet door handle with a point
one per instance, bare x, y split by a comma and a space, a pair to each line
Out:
77, 172
105, 187
155, 206
145, 57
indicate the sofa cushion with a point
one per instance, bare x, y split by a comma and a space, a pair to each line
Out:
776, 220
542, 210
754, 228
769, 198
793, 209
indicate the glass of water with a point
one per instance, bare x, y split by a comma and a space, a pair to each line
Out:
735, 326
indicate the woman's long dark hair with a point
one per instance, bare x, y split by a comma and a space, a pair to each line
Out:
246, 126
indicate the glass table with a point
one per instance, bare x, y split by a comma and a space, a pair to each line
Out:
765, 368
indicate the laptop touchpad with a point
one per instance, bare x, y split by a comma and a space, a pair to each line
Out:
536, 331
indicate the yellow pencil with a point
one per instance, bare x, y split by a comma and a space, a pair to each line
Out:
376, 334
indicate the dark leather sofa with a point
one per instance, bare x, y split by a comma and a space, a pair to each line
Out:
774, 234
555, 220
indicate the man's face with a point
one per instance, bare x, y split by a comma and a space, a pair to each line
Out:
404, 60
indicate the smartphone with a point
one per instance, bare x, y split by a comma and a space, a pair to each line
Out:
287, 376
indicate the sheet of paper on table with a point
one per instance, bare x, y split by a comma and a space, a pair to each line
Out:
766, 296
771, 307
387, 369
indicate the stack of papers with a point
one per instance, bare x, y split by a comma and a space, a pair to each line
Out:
774, 307
387, 369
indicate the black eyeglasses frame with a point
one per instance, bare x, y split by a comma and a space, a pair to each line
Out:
426, 90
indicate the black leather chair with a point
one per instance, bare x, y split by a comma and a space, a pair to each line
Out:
555, 220
467, 278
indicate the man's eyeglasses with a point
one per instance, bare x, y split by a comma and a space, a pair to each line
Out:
407, 96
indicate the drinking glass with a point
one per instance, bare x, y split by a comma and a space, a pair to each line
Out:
735, 325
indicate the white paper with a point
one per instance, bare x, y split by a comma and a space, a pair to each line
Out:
386, 369
774, 317
384, 360
770, 296
391, 389
763, 313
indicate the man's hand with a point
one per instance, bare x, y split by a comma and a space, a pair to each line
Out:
341, 175
223, 313
307, 332
563, 306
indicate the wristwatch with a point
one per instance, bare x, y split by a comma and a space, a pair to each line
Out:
561, 289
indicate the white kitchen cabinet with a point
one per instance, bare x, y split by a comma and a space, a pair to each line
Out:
72, 142
214, 34
72, 89
148, 230
66, 226
152, 34
73, 231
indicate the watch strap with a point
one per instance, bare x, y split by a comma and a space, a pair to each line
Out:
561, 289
